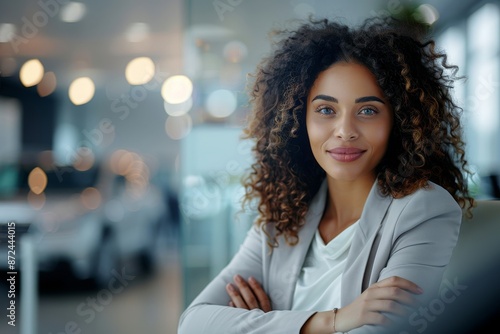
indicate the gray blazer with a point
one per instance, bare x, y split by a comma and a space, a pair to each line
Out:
412, 237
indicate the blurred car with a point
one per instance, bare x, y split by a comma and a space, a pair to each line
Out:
85, 221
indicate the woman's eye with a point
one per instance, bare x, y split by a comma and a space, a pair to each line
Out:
325, 111
368, 112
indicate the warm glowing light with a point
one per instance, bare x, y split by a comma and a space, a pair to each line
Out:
81, 90
73, 12
221, 103
140, 71
177, 89
91, 198
31, 72
179, 108
115, 159
37, 180
125, 162
84, 159
37, 201
48, 84
178, 127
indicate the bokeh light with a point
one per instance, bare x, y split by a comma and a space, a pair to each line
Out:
178, 127
235, 51
140, 71
221, 103
81, 90
177, 89
73, 12
179, 108
137, 32
31, 72
427, 14
91, 198
48, 84
7, 32
84, 159
37, 180
124, 162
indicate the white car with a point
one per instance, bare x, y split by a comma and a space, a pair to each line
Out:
85, 222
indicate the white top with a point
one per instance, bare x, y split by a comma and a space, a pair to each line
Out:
319, 284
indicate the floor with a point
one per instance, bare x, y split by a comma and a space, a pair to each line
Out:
135, 305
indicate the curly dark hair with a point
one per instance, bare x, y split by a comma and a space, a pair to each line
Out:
426, 140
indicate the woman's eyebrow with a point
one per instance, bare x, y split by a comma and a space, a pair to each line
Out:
368, 99
358, 100
326, 98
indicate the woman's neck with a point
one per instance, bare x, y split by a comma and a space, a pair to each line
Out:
344, 206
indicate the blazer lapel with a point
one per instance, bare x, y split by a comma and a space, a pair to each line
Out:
360, 257
288, 260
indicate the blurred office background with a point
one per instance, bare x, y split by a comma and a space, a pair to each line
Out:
120, 150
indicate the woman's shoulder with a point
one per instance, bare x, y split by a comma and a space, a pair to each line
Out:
431, 197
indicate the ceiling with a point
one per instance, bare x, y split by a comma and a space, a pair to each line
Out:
98, 44
183, 37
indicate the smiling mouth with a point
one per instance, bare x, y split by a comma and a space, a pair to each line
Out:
346, 154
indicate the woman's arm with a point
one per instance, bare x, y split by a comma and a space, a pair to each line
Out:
386, 296
422, 239
210, 311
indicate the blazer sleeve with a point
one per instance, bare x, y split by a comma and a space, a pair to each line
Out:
424, 236
210, 313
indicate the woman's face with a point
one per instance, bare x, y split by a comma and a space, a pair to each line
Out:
348, 121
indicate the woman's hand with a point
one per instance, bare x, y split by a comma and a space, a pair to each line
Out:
389, 295
248, 295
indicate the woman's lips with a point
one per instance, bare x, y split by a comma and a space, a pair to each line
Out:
346, 154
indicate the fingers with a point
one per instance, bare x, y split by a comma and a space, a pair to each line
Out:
399, 282
236, 299
263, 299
248, 295
246, 292
392, 293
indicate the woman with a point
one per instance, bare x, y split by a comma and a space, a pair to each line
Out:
359, 179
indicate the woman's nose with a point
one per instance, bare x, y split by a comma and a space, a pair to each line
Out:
346, 129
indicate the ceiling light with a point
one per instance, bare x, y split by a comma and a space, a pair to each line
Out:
140, 71
81, 90
73, 12
31, 72
37, 180
7, 32
221, 103
178, 127
427, 14
179, 108
177, 89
